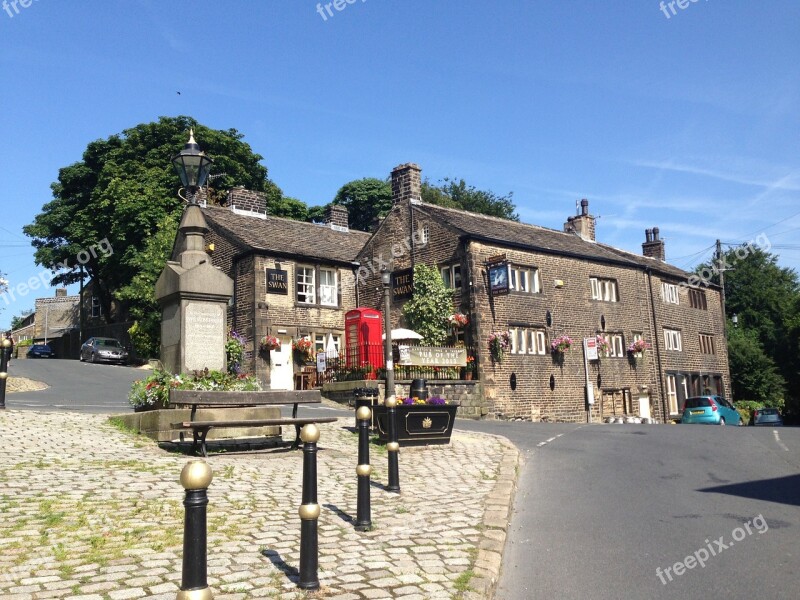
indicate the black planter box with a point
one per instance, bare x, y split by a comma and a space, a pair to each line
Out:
418, 424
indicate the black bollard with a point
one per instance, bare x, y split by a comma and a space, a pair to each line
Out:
5, 352
195, 478
393, 447
363, 470
361, 398
309, 511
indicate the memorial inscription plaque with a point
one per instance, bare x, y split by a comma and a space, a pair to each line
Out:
204, 336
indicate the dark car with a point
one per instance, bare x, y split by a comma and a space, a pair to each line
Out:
102, 349
713, 410
40, 351
766, 416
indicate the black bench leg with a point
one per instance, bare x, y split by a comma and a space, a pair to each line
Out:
199, 436
297, 440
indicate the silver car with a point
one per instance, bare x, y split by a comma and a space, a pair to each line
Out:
101, 349
766, 416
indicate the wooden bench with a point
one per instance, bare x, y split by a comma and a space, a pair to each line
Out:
211, 399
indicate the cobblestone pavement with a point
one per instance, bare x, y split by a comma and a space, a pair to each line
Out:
88, 511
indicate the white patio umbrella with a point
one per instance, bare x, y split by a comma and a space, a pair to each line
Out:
330, 347
403, 334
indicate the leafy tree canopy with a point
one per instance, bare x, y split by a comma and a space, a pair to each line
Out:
457, 194
427, 311
366, 200
755, 375
124, 190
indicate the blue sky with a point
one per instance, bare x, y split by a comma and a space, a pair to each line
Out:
685, 121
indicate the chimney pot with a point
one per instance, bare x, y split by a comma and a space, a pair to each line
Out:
584, 207
406, 183
655, 234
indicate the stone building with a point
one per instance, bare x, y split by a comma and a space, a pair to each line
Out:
291, 279
550, 283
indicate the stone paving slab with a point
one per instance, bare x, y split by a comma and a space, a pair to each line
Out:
91, 512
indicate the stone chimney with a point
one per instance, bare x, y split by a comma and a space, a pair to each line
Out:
582, 224
247, 200
337, 216
61, 292
406, 183
653, 246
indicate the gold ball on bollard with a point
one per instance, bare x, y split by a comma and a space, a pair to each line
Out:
6, 343
3, 374
393, 447
203, 594
196, 475
363, 470
363, 413
310, 433
390, 402
309, 512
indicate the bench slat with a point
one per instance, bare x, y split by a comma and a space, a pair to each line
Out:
265, 398
250, 423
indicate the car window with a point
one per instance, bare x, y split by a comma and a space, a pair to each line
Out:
112, 343
768, 411
697, 402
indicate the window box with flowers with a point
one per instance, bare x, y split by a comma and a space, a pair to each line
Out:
559, 346
419, 422
499, 343
303, 351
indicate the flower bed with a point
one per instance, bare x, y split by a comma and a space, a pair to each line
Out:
153, 392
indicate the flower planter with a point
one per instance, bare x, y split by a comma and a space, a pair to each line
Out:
418, 424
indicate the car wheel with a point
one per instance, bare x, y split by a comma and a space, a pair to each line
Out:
722, 420
92, 359
80, 357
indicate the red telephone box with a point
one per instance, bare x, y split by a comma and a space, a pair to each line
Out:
363, 331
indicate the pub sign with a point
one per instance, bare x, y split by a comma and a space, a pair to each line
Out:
277, 282
402, 284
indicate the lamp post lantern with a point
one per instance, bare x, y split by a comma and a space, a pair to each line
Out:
735, 320
392, 447
192, 166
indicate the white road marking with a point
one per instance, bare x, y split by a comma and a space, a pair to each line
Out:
551, 439
778, 441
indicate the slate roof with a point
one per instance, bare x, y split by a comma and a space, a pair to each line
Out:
533, 237
285, 236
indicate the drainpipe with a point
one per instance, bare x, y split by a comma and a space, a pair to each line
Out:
656, 337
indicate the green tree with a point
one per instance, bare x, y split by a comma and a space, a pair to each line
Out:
457, 194
366, 200
753, 373
427, 311
124, 190
288, 208
16, 320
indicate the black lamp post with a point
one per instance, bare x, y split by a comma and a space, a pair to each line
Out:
192, 166
390, 400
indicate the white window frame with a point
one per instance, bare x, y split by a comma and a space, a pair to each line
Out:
672, 394
512, 334
310, 289
319, 342
669, 293
524, 279
616, 345
328, 288
604, 290
536, 341
672, 339
97, 308
451, 275
422, 235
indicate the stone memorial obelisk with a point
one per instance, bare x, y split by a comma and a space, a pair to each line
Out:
193, 295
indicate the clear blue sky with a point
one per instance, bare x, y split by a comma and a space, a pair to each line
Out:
685, 121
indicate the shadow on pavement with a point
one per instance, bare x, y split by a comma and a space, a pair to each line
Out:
784, 490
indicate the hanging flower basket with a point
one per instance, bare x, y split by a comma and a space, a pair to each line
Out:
302, 350
561, 344
638, 347
603, 347
458, 320
499, 344
269, 343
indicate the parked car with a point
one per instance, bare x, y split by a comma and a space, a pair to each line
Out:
40, 351
712, 410
766, 416
101, 349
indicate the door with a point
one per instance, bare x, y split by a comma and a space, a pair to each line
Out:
644, 406
281, 369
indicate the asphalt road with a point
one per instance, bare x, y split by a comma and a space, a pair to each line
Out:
74, 386
602, 511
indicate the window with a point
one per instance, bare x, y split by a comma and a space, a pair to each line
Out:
319, 342
305, 285
672, 339
96, 308
604, 289
672, 395
616, 348
697, 299
451, 275
527, 341
707, 344
421, 236
669, 293
328, 288
523, 279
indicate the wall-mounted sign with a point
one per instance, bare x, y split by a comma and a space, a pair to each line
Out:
498, 258
322, 362
498, 279
402, 284
433, 356
277, 281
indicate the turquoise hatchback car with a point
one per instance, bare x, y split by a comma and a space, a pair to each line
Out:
711, 410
